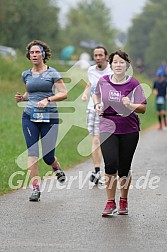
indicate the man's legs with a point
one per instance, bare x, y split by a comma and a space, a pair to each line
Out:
164, 117
161, 113
96, 157
96, 151
93, 128
159, 119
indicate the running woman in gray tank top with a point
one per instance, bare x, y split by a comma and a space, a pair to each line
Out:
40, 116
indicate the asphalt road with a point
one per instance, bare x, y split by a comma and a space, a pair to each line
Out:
69, 218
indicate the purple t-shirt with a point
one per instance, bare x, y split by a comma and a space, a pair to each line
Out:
118, 119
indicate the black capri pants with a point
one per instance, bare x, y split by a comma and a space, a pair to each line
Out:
118, 151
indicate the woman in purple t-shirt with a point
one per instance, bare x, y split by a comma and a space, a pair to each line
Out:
117, 99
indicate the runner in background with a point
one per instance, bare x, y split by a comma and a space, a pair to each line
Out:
96, 71
160, 92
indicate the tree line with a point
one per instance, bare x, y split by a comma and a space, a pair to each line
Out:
147, 37
23, 21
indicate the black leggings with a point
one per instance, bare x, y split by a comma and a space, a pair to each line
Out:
118, 151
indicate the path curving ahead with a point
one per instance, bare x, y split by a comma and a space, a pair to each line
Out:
69, 218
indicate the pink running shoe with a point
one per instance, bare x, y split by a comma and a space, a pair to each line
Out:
110, 209
123, 207
61, 177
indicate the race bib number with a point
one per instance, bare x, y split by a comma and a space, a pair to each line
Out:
160, 100
40, 115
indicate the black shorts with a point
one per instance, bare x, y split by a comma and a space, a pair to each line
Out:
118, 151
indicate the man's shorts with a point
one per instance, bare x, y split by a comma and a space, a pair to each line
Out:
160, 103
160, 107
92, 122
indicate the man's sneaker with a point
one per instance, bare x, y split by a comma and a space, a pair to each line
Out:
123, 207
95, 176
61, 177
110, 209
35, 196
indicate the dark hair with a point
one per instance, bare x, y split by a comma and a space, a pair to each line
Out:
39, 43
102, 47
121, 54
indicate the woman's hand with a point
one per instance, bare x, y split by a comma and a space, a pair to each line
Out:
99, 108
126, 101
43, 103
18, 97
138, 108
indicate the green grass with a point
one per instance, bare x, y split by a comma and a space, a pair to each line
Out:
12, 142
149, 118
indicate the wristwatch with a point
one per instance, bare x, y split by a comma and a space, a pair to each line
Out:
48, 99
96, 104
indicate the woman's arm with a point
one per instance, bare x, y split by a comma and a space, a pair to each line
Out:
138, 108
96, 99
19, 97
61, 91
59, 96
97, 104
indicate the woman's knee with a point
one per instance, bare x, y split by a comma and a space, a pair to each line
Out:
49, 160
111, 169
124, 174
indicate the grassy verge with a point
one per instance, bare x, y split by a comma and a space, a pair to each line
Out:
12, 141
149, 118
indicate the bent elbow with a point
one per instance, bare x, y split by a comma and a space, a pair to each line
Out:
65, 95
143, 111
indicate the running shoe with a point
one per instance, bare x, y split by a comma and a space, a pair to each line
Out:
61, 177
123, 207
35, 196
95, 176
110, 209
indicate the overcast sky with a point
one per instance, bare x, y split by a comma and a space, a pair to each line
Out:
122, 10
